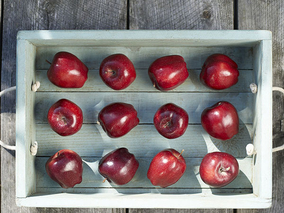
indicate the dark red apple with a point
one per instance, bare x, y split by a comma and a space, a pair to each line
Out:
118, 166
171, 121
168, 72
221, 120
219, 72
65, 167
117, 119
117, 71
166, 168
218, 169
65, 117
67, 71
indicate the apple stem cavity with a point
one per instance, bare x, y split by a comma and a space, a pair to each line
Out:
167, 124
112, 72
224, 169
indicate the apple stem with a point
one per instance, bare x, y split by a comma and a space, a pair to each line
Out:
180, 153
225, 169
48, 61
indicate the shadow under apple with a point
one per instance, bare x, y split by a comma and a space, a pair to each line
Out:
236, 146
241, 185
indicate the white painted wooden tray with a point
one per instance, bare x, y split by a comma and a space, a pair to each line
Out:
252, 50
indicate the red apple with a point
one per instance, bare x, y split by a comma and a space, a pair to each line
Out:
221, 120
65, 167
218, 169
171, 121
166, 168
219, 72
118, 166
117, 71
168, 72
67, 71
117, 119
65, 117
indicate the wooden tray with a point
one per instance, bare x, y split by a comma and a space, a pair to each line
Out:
252, 51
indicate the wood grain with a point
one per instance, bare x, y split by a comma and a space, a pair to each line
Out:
40, 15
91, 140
268, 15
182, 14
180, 211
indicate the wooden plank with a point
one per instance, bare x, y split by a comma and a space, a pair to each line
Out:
33, 15
189, 183
143, 55
91, 140
91, 103
143, 83
191, 14
213, 14
267, 15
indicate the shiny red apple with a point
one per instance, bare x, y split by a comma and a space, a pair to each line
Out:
171, 121
65, 117
168, 72
65, 167
166, 168
117, 71
218, 169
117, 119
118, 166
221, 120
67, 71
219, 72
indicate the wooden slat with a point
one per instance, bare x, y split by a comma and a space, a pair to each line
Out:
34, 15
143, 56
91, 103
268, 15
188, 183
143, 83
91, 140
213, 14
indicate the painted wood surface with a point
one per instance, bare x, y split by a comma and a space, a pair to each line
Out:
113, 15
91, 140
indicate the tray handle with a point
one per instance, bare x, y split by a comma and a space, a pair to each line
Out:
34, 146
6, 146
279, 148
